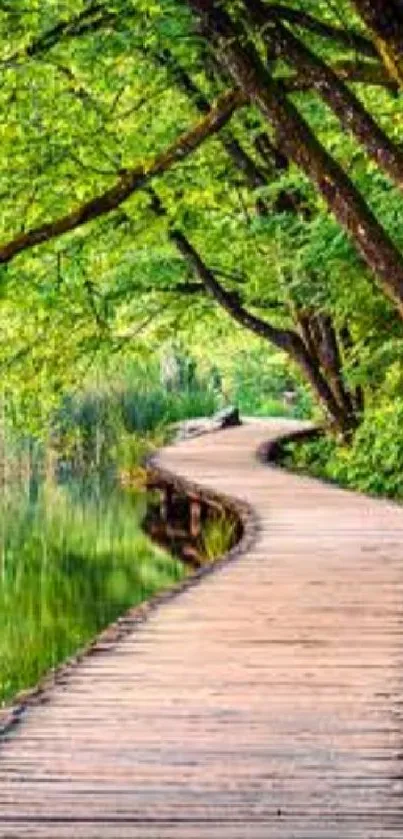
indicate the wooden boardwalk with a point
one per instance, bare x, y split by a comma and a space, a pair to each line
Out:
265, 702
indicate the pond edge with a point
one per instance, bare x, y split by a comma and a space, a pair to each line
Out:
13, 713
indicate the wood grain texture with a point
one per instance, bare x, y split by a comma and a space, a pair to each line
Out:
264, 702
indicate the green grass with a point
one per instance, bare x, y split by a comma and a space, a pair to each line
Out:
217, 536
67, 569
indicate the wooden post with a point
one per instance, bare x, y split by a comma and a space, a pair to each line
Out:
195, 517
166, 503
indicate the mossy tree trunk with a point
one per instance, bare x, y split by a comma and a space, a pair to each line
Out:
241, 60
384, 19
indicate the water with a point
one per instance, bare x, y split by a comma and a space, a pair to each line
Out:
73, 558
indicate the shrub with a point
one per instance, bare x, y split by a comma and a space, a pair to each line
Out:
373, 463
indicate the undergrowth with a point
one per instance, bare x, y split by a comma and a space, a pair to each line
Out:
371, 463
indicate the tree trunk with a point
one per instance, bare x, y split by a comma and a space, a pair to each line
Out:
353, 117
288, 341
329, 354
301, 145
319, 336
349, 39
358, 395
385, 20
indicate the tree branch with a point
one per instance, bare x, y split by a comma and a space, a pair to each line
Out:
345, 105
348, 38
131, 180
368, 73
244, 162
385, 21
301, 145
89, 20
285, 339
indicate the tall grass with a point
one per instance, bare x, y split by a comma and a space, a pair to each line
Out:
218, 536
113, 416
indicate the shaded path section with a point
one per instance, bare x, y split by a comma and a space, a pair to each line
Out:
263, 703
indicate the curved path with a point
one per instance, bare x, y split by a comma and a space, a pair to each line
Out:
265, 702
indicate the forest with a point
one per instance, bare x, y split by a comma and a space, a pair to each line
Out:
220, 177
204, 169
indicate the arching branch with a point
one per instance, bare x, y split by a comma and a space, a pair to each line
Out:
349, 110
301, 145
91, 19
131, 180
347, 38
385, 21
285, 339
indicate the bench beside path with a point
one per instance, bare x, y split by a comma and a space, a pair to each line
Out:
264, 702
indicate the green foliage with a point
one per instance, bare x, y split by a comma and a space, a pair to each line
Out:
372, 463
84, 108
259, 383
80, 110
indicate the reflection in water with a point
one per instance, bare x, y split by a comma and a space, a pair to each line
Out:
72, 558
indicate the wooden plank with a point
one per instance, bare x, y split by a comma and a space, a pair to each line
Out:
263, 702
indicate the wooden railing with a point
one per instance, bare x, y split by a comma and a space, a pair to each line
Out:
177, 518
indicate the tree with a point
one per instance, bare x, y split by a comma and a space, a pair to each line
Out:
385, 21
126, 82
241, 59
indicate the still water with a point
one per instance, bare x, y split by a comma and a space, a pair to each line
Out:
73, 557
